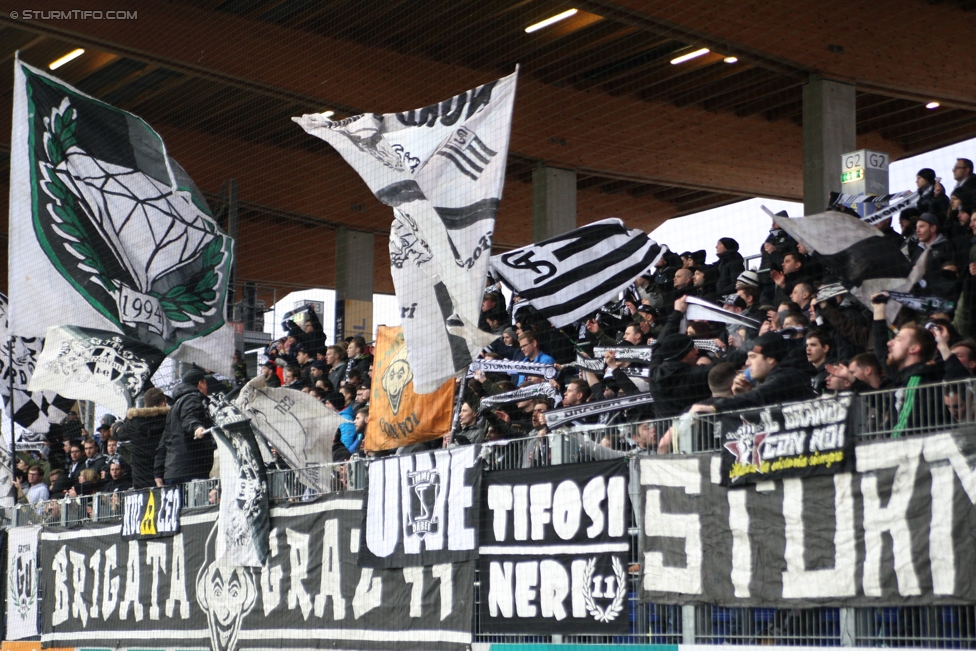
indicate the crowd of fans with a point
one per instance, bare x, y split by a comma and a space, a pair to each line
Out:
800, 344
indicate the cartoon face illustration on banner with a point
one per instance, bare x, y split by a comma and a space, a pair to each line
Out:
396, 378
227, 594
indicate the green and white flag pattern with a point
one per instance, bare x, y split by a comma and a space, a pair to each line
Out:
107, 231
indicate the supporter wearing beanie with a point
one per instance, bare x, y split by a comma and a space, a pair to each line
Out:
932, 196
677, 381
730, 265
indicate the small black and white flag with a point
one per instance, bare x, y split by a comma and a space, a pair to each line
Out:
32, 410
297, 425
572, 275
244, 523
97, 365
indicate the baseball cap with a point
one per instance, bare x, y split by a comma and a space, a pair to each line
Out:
772, 345
194, 375
734, 300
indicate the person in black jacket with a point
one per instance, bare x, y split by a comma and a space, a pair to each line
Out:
185, 451
142, 430
931, 195
777, 379
677, 381
730, 265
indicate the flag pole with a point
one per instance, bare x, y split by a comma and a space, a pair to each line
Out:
456, 418
10, 407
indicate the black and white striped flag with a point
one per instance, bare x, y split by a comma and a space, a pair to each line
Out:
574, 274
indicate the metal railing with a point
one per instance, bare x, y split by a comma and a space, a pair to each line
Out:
878, 414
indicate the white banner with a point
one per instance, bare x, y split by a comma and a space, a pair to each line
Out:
22, 582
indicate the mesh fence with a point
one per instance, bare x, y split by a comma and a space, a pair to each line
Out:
682, 119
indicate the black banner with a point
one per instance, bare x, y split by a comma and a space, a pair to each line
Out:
554, 550
798, 440
151, 513
897, 532
102, 592
422, 509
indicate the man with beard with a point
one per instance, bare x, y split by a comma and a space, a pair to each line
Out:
910, 361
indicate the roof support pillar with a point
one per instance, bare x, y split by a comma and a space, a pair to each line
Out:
829, 130
553, 202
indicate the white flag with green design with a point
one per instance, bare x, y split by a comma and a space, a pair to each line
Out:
107, 231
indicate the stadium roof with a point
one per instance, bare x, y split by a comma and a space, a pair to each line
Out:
598, 93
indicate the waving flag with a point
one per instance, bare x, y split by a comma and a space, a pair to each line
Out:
854, 250
32, 410
441, 168
97, 365
107, 231
572, 275
299, 427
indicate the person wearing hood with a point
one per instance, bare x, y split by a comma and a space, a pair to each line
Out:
142, 430
937, 279
704, 280
677, 380
771, 378
473, 427
730, 265
185, 450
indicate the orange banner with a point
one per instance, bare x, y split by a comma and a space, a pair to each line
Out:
30, 646
397, 415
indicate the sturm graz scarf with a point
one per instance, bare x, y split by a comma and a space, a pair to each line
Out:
541, 390
548, 371
107, 231
922, 303
589, 364
557, 417
888, 204
627, 353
